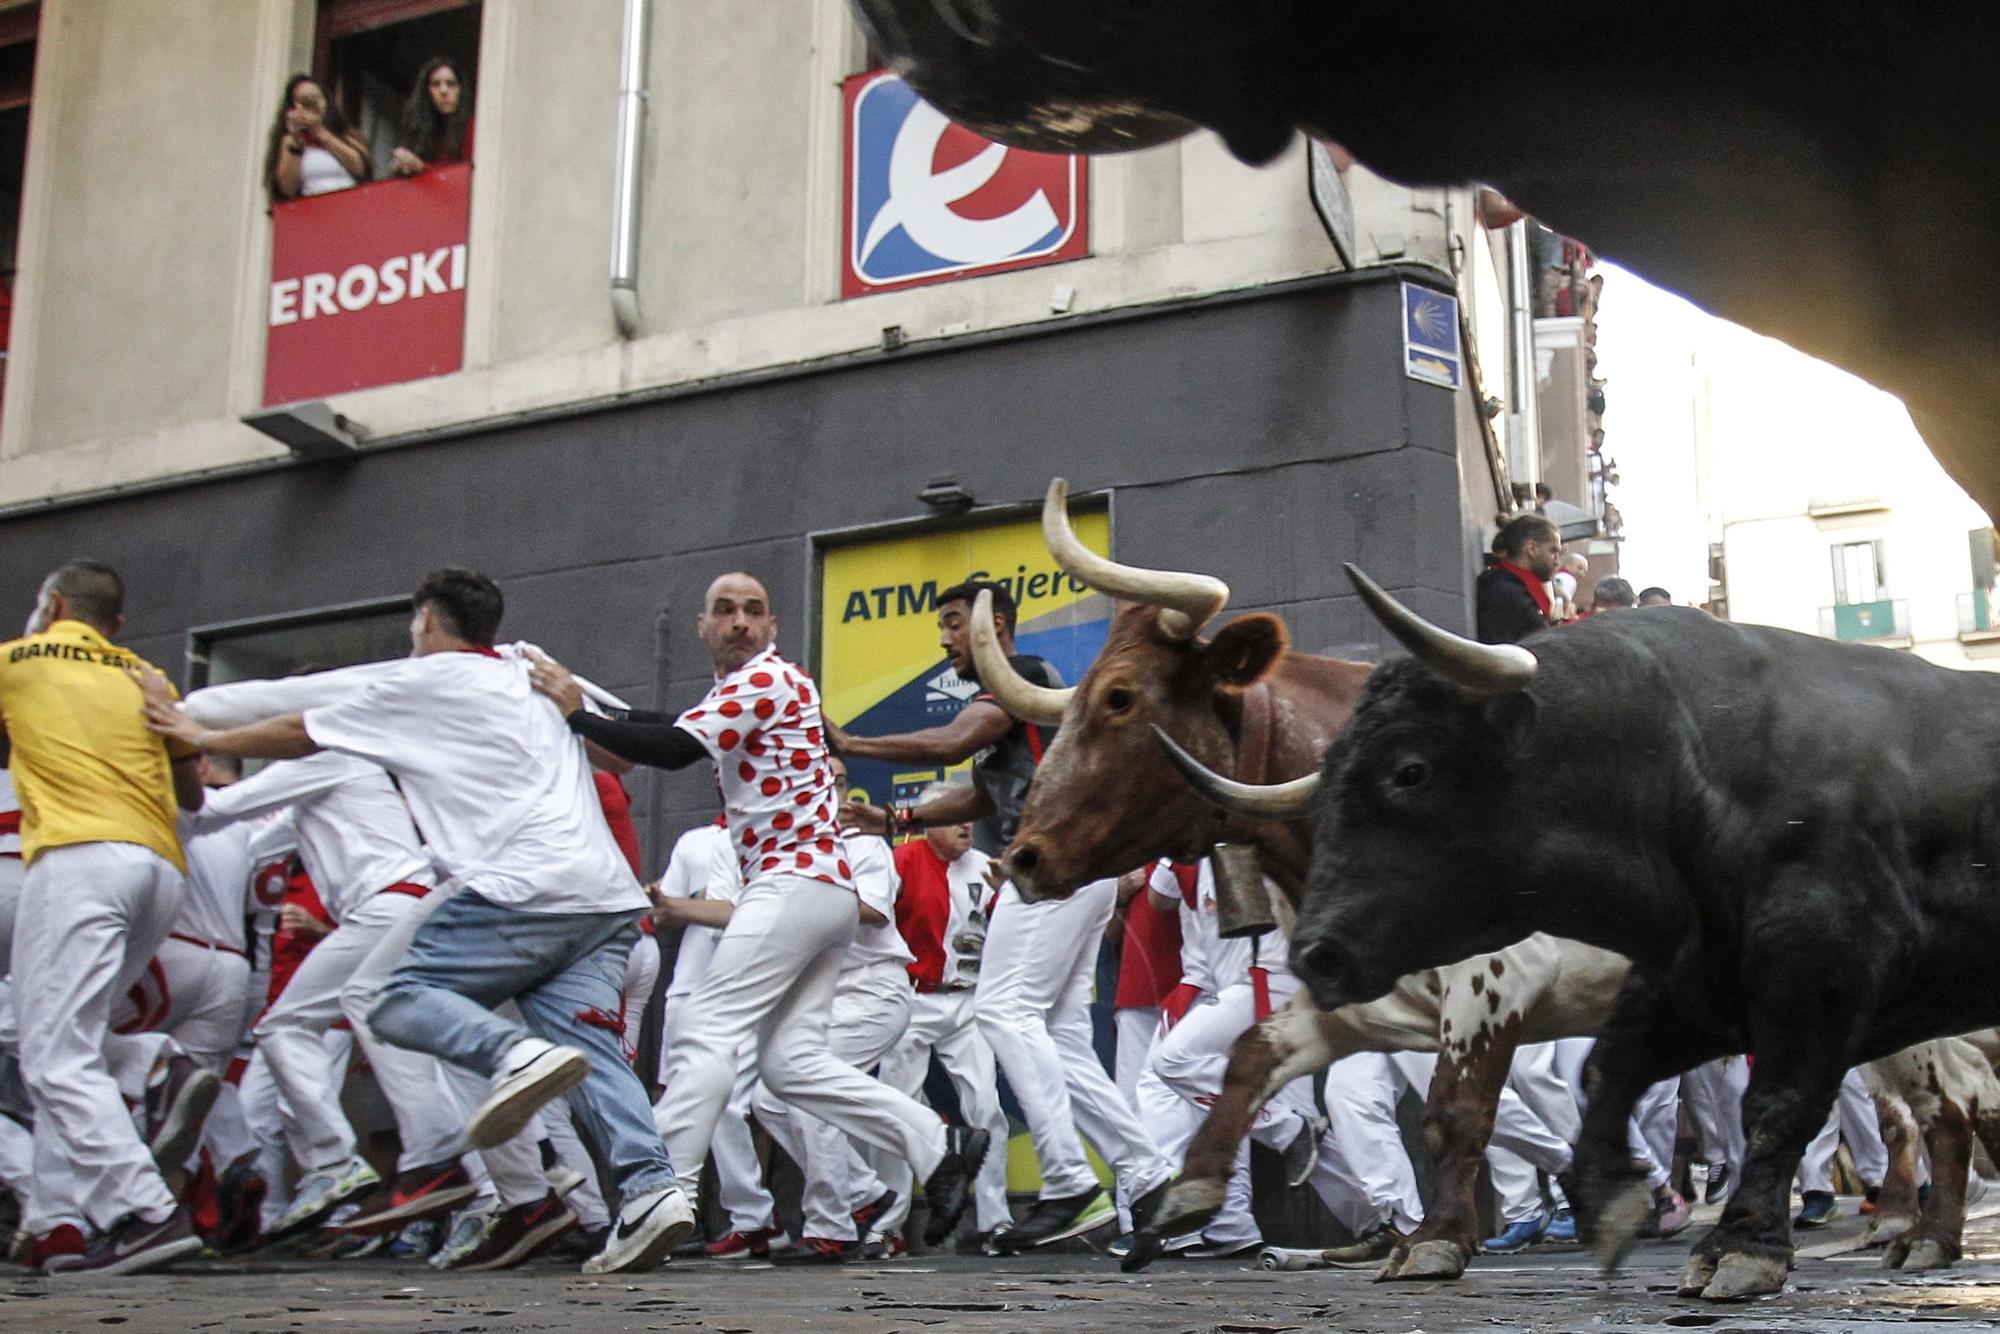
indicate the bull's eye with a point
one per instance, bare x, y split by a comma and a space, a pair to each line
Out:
1118, 699
1410, 773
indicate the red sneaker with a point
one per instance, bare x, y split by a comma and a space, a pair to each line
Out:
743, 1245
428, 1191
817, 1251
65, 1239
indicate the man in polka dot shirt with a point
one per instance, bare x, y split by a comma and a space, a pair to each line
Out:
775, 968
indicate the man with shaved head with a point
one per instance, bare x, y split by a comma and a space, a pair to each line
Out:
776, 966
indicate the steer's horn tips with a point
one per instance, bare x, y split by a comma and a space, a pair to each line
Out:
1479, 669
1187, 600
1020, 697
1279, 802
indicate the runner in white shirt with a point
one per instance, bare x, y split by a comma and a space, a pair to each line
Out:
363, 854
701, 883
545, 916
871, 1012
780, 957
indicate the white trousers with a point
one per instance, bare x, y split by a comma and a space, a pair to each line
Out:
191, 993
871, 1012
1545, 1095
1713, 1095
263, 1112
773, 975
1173, 1111
1033, 1007
92, 916
355, 959
739, 1176
942, 1023
1138, 1031
1853, 1115
12, 873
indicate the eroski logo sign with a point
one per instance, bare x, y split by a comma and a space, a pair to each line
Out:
928, 200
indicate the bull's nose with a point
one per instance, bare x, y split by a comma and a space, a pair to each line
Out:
1021, 862
1323, 966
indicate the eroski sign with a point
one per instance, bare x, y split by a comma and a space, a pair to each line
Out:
928, 201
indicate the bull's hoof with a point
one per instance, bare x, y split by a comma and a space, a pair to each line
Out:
1739, 1277
1696, 1275
1191, 1205
1884, 1228
1618, 1222
1431, 1260
1919, 1249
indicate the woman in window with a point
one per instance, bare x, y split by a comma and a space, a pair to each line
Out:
313, 151
437, 123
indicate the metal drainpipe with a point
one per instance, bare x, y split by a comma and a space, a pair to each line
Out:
1524, 422
625, 187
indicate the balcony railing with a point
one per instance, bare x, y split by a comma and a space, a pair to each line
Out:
1978, 615
1888, 618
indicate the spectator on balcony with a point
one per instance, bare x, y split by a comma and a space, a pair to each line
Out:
1655, 597
437, 121
313, 150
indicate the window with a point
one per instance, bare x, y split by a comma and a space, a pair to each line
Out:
371, 51
17, 78
1860, 574
279, 645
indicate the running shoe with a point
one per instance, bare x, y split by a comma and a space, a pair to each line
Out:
1517, 1236
63, 1239
322, 1190
1716, 1188
515, 1235
530, 1074
1820, 1209
1671, 1216
817, 1251
1205, 1249
1131, 1243
461, 1237
647, 1227
578, 1244
133, 1246
1562, 1227
879, 1207
426, 1191
415, 1241
745, 1245
949, 1189
177, 1102
1060, 1219
1368, 1249
883, 1246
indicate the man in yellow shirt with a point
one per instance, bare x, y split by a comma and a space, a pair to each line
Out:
105, 878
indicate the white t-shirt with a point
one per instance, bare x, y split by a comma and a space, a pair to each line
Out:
495, 778
875, 881
354, 833
761, 725
703, 866
219, 863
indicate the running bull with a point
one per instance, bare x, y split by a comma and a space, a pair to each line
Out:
1102, 803
1795, 841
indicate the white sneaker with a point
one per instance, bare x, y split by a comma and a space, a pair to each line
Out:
462, 1238
321, 1190
530, 1074
647, 1227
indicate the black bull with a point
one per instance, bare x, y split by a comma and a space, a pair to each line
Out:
1796, 842
1817, 174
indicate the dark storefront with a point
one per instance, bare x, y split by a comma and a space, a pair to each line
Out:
1263, 439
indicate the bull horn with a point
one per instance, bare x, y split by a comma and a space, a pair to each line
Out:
1189, 599
1020, 697
1277, 802
1477, 669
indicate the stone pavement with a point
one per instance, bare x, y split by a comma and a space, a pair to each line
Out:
1545, 1289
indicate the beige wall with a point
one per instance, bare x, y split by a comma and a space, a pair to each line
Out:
139, 330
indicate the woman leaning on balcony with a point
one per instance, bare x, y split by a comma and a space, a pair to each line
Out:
437, 121
313, 151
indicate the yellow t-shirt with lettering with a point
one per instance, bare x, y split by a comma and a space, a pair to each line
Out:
85, 767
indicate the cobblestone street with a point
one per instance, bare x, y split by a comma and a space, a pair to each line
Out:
1545, 1290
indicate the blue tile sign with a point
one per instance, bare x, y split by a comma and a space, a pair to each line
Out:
1430, 337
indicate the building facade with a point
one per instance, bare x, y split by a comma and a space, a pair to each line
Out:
826, 305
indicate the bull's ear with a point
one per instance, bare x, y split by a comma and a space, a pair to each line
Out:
1513, 717
1244, 651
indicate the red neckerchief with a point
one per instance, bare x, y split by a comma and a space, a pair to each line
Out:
483, 650
1536, 588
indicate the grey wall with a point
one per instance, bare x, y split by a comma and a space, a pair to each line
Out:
1264, 441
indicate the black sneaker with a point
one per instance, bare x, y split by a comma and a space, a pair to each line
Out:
949, 1188
1718, 1184
429, 1191
176, 1105
817, 1251
1053, 1220
578, 1244
865, 1216
1146, 1206
133, 1247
